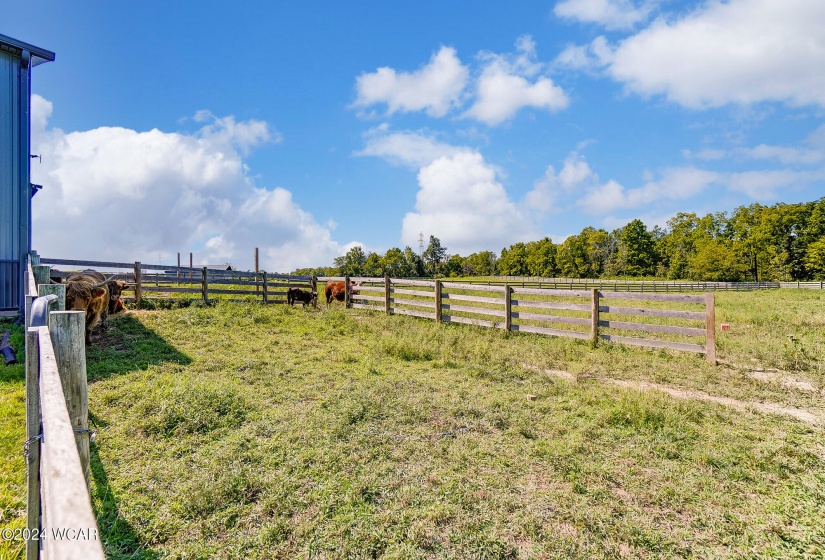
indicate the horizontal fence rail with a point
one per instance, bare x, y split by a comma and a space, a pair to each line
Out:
59, 509
677, 321
655, 286
179, 282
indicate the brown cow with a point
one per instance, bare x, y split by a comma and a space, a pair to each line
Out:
335, 290
88, 291
115, 290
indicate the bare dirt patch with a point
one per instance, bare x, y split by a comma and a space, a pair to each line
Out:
679, 393
784, 379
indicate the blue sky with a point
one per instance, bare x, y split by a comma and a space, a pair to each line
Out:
306, 129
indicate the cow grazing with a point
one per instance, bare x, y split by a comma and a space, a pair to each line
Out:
88, 291
297, 294
335, 290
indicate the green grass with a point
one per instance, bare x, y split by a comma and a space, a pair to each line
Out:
238, 431
12, 436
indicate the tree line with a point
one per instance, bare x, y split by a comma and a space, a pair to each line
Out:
783, 242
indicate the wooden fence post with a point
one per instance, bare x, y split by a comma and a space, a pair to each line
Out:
387, 306
508, 309
346, 291
438, 301
256, 270
710, 328
57, 289
138, 286
263, 276
41, 274
68, 331
594, 317
33, 431
205, 285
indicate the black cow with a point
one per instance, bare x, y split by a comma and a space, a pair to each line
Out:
297, 294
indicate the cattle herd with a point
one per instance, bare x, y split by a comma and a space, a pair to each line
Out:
95, 294
99, 296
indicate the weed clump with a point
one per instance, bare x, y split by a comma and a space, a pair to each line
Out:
193, 408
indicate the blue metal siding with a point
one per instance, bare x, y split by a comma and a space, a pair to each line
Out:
11, 227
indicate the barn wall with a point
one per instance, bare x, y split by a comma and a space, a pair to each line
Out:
13, 221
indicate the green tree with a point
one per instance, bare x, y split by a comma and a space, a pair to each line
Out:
373, 265
414, 265
352, 264
541, 258
815, 259
716, 260
481, 264
585, 255
434, 254
454, 266
513, 261
638, 249
394, 264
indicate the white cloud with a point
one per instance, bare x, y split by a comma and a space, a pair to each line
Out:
736, 52
121, 195
503, 88
590, 58
784, 154
707, 154
461, 202
411, 149
763, 185
575, 174
612, 14
434, 88
675, 184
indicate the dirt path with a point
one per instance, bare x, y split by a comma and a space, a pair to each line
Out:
676, 392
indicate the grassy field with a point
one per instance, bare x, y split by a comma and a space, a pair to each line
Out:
239, 431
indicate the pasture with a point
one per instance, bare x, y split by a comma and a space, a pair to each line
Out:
246, 431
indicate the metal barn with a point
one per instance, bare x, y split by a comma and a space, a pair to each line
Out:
16, 61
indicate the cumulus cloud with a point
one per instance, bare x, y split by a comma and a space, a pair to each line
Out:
675, 184
435, 88
462, 202
122, 195
504, 86
410, 149
589, 58
612, 14
736, 52
575, 174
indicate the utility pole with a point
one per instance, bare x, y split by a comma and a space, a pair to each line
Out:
421, 244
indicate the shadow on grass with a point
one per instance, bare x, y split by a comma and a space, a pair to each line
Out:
124, 344
119, 538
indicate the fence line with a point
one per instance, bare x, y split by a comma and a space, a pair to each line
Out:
201, 281
604, 316
654, 286
57, 435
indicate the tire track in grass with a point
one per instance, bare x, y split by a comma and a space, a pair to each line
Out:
679, 393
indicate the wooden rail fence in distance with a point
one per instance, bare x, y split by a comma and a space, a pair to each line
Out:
174, 281
684, 322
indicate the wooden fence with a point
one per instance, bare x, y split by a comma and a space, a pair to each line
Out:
682, 322
174, 281
60, 520
654, 286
